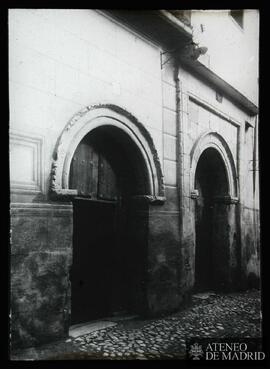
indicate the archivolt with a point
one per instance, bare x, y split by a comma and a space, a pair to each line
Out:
216, 141
84, 122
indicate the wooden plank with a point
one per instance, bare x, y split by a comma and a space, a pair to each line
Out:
84, 170
107, 184
91, 172
93, 184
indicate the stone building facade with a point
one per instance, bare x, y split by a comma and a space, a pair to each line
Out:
133, 163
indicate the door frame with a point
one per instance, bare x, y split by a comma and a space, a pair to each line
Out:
211, 139
81, 124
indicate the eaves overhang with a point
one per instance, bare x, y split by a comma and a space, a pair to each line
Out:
175, 22
166, 30
160, 26
220, 85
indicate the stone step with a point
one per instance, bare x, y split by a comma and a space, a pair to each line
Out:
88, 327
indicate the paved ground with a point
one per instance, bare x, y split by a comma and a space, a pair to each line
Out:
208, 315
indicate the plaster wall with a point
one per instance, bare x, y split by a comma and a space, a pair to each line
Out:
213, 28
63, 60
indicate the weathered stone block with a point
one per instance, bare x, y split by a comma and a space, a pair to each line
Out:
39, 286
166, 299
187, 274
172, 199
163, 228
188, 222
40, 229
29, 234
214, 122
185, 122
184, 102
30, 330
168, 70
204, 117
169, 122
39, 278
250, 249
170, 172
193, 112
163, 262
192, 134
169, 96
60, 232
170, 147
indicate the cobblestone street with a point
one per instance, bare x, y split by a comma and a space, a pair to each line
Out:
208, 315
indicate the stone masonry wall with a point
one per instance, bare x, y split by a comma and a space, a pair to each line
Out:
41, 254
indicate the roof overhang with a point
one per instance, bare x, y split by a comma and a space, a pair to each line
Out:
221, 86
160, 26
166, 30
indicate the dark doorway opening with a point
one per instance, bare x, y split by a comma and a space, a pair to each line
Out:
109, 260
212, 252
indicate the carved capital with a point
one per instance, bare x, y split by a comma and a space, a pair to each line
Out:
63, 194
153, 200
194, 194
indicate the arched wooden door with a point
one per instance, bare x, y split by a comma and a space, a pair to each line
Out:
106, 268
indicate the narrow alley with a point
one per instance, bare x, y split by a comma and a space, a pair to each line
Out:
208, 315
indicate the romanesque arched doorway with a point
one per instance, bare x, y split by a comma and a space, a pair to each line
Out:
108, 270
106, 165
211, 254
217, 251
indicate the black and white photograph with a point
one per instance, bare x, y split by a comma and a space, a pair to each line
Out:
134, 184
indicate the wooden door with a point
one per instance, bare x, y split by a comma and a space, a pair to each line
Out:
100, 251
92, 271
91, 171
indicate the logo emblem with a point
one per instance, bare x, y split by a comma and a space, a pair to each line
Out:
196, 351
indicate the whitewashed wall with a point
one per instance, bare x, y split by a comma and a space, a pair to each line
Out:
62, 60
232, 51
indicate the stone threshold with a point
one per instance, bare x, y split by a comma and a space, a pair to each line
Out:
203, 295
81, 329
